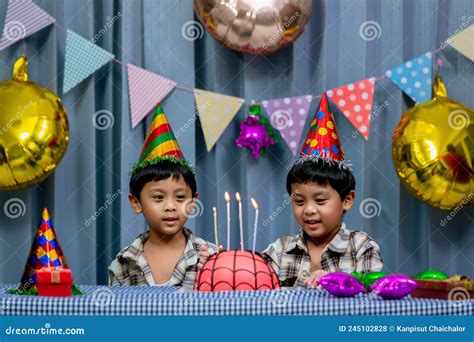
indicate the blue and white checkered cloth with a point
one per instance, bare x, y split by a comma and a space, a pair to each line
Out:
130, 300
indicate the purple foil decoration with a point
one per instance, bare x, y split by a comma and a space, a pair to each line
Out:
341, 284
254, 136
394, 286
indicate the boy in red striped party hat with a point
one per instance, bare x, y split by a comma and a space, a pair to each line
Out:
163, 189
322, 189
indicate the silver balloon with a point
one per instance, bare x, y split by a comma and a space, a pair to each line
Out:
254, 26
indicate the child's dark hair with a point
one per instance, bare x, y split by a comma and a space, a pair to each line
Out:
162, 170
322, 173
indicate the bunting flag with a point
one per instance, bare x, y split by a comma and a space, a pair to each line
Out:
23, 18
414, 77
82, 59
145, 90
355, 101
288, 115
216, 111
464, 42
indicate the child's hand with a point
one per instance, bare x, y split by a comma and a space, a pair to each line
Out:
204, 254
312, 280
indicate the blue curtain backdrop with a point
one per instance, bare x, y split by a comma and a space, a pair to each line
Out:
93, 175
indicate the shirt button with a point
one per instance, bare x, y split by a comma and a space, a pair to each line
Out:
305, 273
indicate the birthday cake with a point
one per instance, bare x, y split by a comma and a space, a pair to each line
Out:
236, 270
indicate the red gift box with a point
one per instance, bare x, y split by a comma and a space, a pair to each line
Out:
54, 282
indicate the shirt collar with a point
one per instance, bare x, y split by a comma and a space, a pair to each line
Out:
338, 244
135, 250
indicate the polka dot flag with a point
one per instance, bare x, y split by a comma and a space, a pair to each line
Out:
322, 140
414, 77
216, 111
288, 115
355, 101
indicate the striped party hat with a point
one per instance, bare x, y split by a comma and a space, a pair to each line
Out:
160, 144
322, 141
45, 252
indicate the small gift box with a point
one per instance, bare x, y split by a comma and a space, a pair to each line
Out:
454, 288
54, 282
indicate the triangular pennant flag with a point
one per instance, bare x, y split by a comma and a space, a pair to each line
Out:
216, 111
464, 42
414, 77
23, 18
146, 89
288, 115
355, 101
82, 59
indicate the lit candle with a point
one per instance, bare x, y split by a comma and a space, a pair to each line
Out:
215, 228
227, 199
237, 197
255, 205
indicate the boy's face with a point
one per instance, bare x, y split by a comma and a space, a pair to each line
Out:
165, 204
318, 209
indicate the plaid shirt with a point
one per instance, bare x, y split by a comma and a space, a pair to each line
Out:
348, 251
130, 267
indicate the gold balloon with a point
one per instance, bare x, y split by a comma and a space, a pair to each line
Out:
33, 130
433, 150
255, 26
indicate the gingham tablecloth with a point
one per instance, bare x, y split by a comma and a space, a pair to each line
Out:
130, 300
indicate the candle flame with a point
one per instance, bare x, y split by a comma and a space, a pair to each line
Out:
237, 196
214, 210
254, 203
227, 197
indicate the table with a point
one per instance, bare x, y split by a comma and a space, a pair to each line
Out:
130, 300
